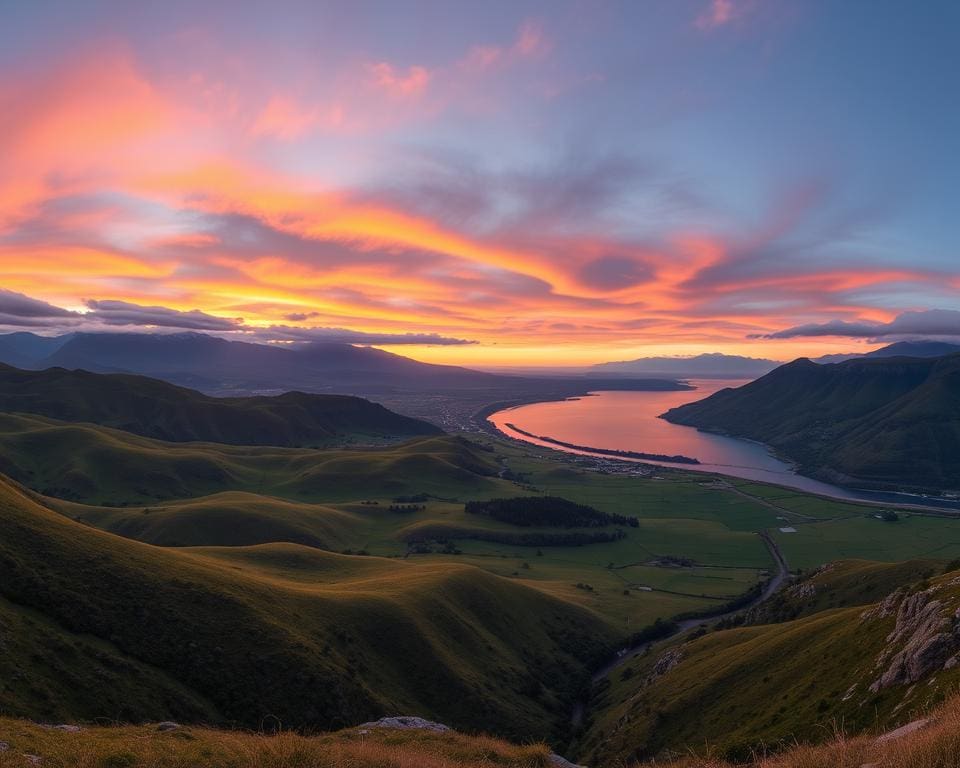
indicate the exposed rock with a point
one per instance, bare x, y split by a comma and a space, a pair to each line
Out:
665, 663
67, 728
33, 759
407, 723
562, 762
167, 725
802, 591
885, 607
922, 641
4, 746
904, 730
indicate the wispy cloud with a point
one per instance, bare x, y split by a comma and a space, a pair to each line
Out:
931, 323
20, 311
717, 14
114, 312
400, 83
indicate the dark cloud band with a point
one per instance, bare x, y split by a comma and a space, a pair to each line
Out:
929, 323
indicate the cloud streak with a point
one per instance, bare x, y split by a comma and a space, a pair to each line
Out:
932, 323
113, 312
18, 310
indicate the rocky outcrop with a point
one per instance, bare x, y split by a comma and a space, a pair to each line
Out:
665, 663
406, 723
562, 762
803, 591
925, 638
904, 730
886, 607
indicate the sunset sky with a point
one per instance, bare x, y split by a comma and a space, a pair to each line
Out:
485, 183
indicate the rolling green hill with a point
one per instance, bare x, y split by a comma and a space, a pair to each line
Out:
884, 422
313, 639
93, 464
865, 666
154, 408
229, 519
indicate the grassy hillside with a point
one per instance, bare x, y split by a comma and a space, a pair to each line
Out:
840, 585
50, 674
160, 410
308, 637
85, 462
888, 422
229, 519
865, 667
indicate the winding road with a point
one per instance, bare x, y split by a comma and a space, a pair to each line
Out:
626, 654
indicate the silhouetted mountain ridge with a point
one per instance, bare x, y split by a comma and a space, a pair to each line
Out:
879, 421
165, 411
707, 365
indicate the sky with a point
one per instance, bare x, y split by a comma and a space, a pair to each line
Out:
498, 183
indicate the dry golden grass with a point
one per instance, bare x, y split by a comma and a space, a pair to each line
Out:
188, 747
937, 745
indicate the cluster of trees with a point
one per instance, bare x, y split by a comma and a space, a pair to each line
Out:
428, 548
547, 511
406, 508
445, 534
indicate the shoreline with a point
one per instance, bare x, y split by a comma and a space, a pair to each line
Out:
615, 453
946, 508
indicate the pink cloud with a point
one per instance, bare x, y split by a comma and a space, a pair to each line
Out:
283, 118
395, 82
530, 40
481, 58
718, 13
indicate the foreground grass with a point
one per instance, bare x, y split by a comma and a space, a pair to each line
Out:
145, 747
937, 745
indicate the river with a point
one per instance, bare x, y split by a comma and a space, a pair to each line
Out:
628, 421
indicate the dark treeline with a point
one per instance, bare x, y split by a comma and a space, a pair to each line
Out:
443, 534
549, 511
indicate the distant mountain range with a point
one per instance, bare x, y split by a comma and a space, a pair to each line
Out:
898, 349
713, 365
211, 363
217, 366
879, 421
164, 411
